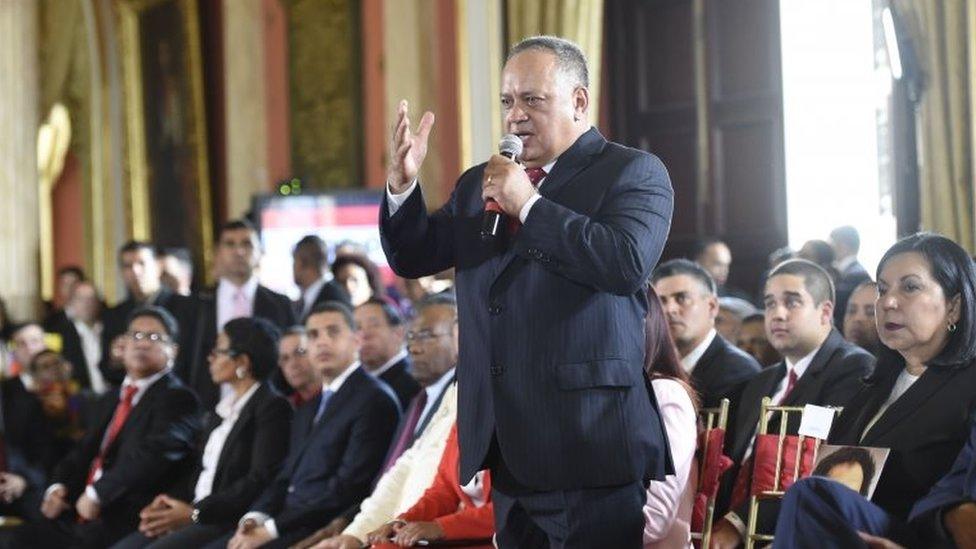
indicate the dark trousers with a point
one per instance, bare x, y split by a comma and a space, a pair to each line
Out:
821, 513
194, 535
287, 539
585, 518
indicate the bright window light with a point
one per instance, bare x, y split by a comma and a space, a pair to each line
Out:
833, 98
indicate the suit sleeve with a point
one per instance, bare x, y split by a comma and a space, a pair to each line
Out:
417, 243
269, 449
169, 440
363, 456
841, 388
615, 250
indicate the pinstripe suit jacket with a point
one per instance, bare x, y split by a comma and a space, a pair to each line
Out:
552, 319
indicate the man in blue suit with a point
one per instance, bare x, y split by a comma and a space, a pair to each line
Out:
551, 386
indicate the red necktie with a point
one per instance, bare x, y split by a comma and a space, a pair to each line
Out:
790, 383
118, 420
535, 176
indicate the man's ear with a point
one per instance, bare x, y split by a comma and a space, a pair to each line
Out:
581, 102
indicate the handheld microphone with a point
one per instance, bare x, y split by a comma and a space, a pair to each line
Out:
511, 147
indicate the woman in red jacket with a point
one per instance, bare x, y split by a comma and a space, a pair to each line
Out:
447, 510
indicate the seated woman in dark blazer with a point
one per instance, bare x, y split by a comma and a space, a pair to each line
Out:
247, 442
918, 402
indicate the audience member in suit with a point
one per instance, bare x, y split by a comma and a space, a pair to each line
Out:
238, 294
846, 243
731, 312
145, 439
860, 327
65, 408
716, 258
244, 450
176, 269
81, 337
667, 512
717, 368
27, 452
359, 276
338, 441
920, 400
27, 340
68, 276
140, 274
819, 367
297, 371
383, 354
447, 510
313, 276
754, 341
948, 512
411, 463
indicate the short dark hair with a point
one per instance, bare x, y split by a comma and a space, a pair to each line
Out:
686, 267
293, 330
162, 315
849, 454
569, 56
334, 307
702, 244
312, 248
848, 236
257, 338
372, 271
72, 270
755, 317
235, 225
823, 252
953, 270
815, 279
135, 246
393, 316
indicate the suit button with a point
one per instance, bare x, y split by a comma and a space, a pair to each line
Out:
291, 489
495, 309
496, 369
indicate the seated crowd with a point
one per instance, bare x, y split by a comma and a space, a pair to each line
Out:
235, 417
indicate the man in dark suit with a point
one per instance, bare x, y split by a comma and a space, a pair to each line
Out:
68, 276
238, 294
715, 257
141, 275
338, 441
313, 276
27, 452
81, 337
850, 273
383, 354
819, 367
717, 368
144, 439
551, 310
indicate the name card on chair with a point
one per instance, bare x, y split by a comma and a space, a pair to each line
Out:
816, 421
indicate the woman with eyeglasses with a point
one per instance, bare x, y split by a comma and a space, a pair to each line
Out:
247, 442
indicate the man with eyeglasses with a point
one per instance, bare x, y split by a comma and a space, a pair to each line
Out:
146, 436
338, 441
295, 367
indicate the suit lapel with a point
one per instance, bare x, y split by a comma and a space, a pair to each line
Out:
807, 386
910, 402
243, 421
139, 412
570, 163
705, 365
336, 405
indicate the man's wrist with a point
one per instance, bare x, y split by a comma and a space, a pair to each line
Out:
956, 516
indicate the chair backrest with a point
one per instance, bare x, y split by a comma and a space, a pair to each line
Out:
779, 460
711, 451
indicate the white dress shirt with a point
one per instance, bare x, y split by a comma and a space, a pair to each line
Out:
264, 519
389, 363
394, 201
689, 361
229, 409
91, 347
227, 296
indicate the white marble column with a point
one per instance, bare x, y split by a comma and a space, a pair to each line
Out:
246, 117
18, 156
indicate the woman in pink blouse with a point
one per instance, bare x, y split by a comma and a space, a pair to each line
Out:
667, 512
